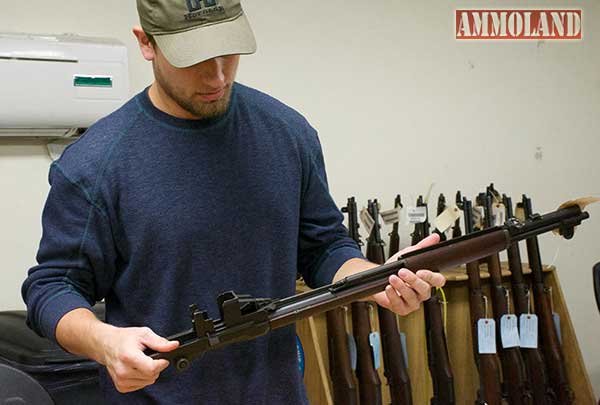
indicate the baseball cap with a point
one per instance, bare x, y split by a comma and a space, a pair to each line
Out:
192, 31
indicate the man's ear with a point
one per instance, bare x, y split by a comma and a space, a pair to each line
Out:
147, 48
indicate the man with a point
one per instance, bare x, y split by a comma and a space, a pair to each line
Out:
196, 186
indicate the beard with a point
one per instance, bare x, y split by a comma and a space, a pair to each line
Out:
198, 108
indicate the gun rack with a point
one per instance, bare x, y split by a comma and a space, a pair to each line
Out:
313, 335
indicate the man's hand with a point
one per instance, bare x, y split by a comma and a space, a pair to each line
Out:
124, 358
121, 350
407, 290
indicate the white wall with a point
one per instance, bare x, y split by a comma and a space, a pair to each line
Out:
399, 104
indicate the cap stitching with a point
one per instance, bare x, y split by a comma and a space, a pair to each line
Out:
197, 26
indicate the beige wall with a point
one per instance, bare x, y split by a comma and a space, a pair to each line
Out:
385, 77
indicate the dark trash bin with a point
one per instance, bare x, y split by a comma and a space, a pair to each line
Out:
33, 366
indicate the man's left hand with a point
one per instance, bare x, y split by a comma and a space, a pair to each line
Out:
407, 290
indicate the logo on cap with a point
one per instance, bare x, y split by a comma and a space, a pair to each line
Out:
195, 5
202, 8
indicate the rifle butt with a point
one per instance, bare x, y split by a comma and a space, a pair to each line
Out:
343, 382
369, 384
393, 359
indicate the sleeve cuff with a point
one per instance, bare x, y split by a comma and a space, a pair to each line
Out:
331, 263
57, 307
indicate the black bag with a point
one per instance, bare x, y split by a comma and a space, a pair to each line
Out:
38, 371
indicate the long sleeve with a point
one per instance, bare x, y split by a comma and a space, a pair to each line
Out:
76, 258
324, 245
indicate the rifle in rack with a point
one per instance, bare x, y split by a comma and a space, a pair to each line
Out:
369, 384
456, 233
353, 225
243, 317
488, 364
344, 387
441, 206
437, 348
391, 343
421, 231
395, 235
514, 373
543, 394
553, 355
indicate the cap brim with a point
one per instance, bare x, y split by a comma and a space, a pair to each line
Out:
188, 48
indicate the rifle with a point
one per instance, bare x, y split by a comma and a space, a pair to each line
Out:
513, 368
437, 349
456, 233
422, 230
441, 206
342, 377
353, 224
490, 387
395, 235
549, 339
369, 384
243, 317
393, 358
536, 369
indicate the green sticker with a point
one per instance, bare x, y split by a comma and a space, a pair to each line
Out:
93, 81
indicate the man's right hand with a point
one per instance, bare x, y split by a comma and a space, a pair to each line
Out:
121, 350
123, 355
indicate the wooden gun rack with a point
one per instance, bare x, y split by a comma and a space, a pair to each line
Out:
313, 335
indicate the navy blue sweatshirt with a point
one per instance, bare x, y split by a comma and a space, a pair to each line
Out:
153, 213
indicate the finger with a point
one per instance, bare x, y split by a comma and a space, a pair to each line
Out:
405, 291
419, 286
393, 257
160, 365
432, 278
152, 341
143, 364
127, 375
382, 300
431, 240
397, 304
130, 386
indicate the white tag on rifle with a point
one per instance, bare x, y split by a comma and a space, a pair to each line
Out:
498, 214
486, 336
404, 349
509, 332
447, 218
478, 215
390, 216
352, 351
375, 343
528, 326
367, 220
416, 215
556, 319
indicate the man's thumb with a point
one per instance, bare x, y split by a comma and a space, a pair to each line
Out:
152, 341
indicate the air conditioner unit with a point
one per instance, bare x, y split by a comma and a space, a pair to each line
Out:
54, 85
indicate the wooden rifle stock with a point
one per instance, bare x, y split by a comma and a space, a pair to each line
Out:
343, 382
393, 358
549, 339
437, 348
543, 394
369, 384
513, 366
490, 390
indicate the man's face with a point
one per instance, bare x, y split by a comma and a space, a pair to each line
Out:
202, 90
